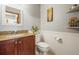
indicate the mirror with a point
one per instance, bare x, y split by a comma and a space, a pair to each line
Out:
12, 16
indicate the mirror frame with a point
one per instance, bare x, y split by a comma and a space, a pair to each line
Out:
18, 20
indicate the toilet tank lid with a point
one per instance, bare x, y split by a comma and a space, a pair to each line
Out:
43, 44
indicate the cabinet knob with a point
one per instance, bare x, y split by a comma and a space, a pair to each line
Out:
16, 42
20, 42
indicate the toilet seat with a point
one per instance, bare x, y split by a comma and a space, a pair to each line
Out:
42, 44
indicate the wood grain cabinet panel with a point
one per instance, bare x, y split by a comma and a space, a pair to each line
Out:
19, 46
27, 45
8, 47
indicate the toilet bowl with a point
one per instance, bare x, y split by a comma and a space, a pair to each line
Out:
43, 47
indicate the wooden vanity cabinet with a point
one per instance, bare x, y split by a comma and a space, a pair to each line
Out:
19, 46
26, 45
8, 47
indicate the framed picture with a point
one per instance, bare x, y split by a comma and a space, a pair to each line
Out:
11, 18
49, 14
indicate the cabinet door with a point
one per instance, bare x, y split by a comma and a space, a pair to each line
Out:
8, 47
27, 45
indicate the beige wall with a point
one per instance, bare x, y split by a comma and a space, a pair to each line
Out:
69, 45
60, 18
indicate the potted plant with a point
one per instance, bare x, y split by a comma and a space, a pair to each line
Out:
35, 29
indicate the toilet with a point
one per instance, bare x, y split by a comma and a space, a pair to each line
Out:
42, 47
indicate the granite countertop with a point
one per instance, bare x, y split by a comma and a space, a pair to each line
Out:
14, 36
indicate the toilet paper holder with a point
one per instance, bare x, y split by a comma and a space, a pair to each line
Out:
59, 39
